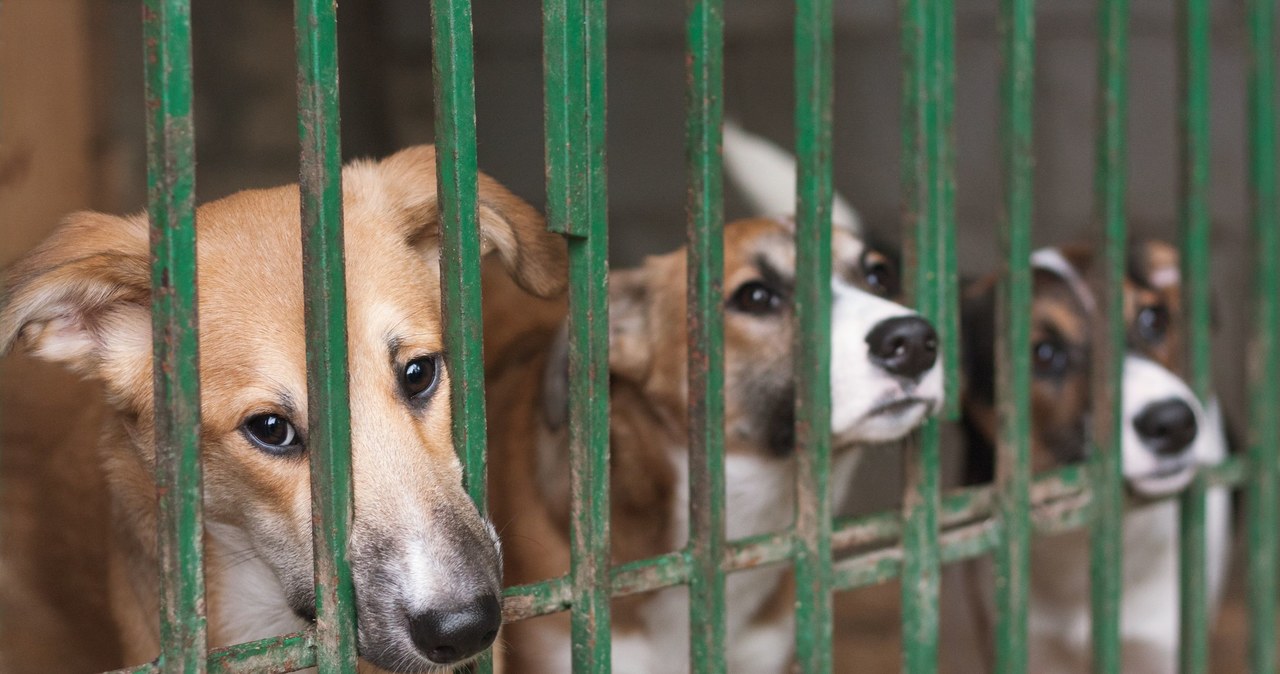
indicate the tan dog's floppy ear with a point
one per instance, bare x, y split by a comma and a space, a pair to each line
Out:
629, 338
536, 258
83, 294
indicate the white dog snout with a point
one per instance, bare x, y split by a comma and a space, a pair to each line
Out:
885, 372
1162, 419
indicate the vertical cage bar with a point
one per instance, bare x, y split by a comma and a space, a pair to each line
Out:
175, 337
1013, 336
926, 184
1193, 81
453, 76
703, 122
1260, 495
1108, 498
574, 64
948, 282
814, 55
325, 314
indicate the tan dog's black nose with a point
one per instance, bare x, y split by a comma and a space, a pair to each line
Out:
905, 345
447, 636
1166, 427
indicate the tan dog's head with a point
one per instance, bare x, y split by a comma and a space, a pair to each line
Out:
426, 565
885, 375
1161, 415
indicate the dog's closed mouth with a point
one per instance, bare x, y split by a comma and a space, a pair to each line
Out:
897, 407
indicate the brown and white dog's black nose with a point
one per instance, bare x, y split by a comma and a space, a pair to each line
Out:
447, 636
1166, 427
906, 346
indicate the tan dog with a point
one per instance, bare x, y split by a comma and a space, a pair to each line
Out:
885, 380
426, 565
1166, 435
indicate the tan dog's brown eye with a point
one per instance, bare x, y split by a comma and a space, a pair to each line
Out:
420, 376
1153, 323
881, 276
754, 297
272, 433
1049, 359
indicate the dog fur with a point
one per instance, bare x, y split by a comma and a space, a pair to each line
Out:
529, 485
82, 299
1063, 312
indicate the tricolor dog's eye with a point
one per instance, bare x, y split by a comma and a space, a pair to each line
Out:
880, 273
754, 297
1153, 323
272, 433
1049, 358
420, 376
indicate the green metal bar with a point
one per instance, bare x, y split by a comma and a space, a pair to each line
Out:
1193, 78
1261, 502
574, 54
706, 546
456, 178
926, 182
948, 280
287, 653
1105, 540
814, 55
530, 601
325, 292
1013, 337
175, 337
453, 73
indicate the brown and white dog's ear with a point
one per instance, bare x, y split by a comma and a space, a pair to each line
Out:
536, 258
630, 342
1155, 264
82, 297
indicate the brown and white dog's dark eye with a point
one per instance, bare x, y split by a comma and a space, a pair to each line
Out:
880, 273
272, 433
1049, 358
1153, 323
420, 376
755, 297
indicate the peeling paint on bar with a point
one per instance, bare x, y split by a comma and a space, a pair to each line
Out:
175, 341
706, 546
325, 314
811, 349
1110, 179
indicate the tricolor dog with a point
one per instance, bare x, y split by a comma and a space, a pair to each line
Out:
885, 380
1166, 435
426, 565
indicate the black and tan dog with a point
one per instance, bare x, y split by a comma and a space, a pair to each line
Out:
1166, 435
885, 380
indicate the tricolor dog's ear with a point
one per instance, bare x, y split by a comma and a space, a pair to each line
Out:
536, 258
83, 296
630, 342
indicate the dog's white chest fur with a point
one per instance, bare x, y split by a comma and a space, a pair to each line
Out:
760, 496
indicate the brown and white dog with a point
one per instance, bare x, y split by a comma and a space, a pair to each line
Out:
1166, 435
426, 565
885, 379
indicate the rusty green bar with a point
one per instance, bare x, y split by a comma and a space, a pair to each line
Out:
175, 338
704, 28
1013, 336
1264, 384
574, 81
1193, 81
947, 320
456, 177
285, 653
927, 184
814, 55
1109, 195
325, 316
453, 74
